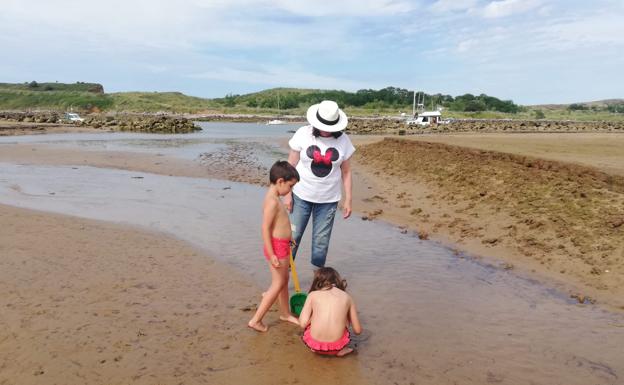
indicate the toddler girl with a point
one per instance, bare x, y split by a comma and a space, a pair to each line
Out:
327, 313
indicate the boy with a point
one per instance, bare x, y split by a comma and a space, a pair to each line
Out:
276, 235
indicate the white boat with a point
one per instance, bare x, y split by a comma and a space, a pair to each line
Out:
73, 117
426, 118
276, 121
423, 118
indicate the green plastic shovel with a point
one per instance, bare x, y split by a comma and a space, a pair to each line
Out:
298, 299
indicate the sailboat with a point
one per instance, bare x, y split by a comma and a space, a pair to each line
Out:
276, 121
423, 118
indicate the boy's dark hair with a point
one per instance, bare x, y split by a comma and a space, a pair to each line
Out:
326, 277
316, 133
282, 169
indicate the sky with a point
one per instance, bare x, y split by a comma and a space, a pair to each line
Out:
529, 51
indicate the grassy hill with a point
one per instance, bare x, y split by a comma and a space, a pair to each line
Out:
91, 97
41, 87
390, 101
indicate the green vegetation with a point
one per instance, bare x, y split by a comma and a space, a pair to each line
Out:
34, 86
160, 102
372, 100
53, 100
389, 101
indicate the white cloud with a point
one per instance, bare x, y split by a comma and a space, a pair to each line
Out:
504, 8
284, 76
596, 30
442, 6
466, 45
316, 8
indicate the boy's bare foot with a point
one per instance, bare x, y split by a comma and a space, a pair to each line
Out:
290, 318
344, 352
258, 326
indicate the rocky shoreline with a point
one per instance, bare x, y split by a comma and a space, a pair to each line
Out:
40, 121
171, 123
399, 127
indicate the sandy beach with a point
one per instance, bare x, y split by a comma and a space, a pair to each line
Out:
88, 302
98, 302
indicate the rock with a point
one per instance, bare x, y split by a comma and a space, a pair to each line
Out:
617, 222
490, 241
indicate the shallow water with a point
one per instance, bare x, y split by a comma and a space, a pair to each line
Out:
214, 137
431, 317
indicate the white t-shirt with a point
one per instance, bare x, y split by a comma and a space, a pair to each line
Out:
319, 165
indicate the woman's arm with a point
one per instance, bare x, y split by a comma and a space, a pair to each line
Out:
347, 183
293, 158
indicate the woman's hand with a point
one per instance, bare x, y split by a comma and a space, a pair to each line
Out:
346, 209
347, 183
288, 202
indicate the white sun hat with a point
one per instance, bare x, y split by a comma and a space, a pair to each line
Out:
326, 116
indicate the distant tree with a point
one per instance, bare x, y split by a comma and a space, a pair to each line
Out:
577, 107
288, 101
253, 103
33, 84
539, 114
230, 100
475, 106
617, 108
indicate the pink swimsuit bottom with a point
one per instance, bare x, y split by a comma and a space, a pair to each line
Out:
281, 248
329, 348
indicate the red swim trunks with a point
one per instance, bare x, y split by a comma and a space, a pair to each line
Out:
329, 348
281, 248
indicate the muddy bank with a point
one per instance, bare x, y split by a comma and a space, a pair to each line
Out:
12, 122
602, 151
20, 128
91, 302
561, 219
399, 127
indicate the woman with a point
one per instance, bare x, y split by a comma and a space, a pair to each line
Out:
320, 152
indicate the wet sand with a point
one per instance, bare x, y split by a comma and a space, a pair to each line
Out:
89, 302
430, 316
475, 224
438, 346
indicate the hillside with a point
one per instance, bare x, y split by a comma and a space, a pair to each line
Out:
389, 101
66, 87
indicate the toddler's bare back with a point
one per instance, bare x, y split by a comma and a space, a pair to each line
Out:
330, 310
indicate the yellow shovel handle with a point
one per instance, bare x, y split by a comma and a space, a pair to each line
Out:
293, 270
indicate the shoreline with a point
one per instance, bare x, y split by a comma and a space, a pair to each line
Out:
394, 202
